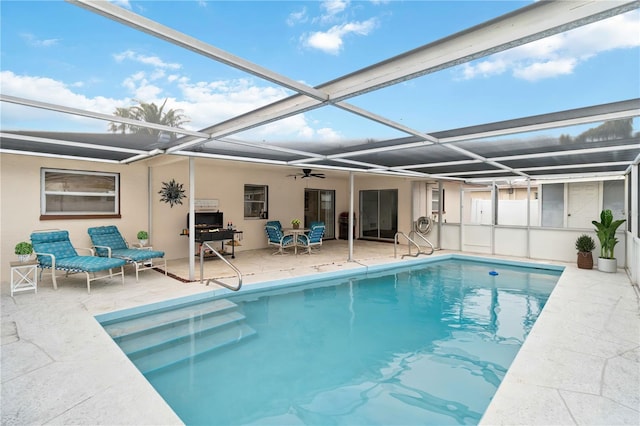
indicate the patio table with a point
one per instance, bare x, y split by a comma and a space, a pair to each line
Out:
295, 232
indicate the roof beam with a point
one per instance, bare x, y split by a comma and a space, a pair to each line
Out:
522, 26
70, 144
148, 26
47, 155
603, 112
90, 114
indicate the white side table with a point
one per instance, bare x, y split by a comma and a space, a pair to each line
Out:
24, 276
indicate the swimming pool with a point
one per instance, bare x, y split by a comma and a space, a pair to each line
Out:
425, 344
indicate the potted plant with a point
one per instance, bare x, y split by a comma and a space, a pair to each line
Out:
23, 249
295, 223
585, 245
143, 238
606, 233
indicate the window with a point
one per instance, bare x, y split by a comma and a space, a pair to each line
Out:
256, 201
512, 207
613, 198
74, 194
553, 205
435, 201
577, 204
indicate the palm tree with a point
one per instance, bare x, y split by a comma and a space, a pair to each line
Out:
120, 127
150, 113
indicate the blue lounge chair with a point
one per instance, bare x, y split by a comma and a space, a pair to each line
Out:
313, 238
108, 242
55, 252
276, 238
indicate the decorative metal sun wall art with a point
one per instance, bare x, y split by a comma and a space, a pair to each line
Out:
172, 192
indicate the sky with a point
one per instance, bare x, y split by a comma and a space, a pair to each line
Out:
56, 52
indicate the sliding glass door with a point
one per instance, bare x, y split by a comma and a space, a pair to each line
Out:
319, 205
379, 214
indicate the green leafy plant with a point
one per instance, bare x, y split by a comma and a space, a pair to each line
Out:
23, 248
295, 222
585, 243
606, 233
143, 235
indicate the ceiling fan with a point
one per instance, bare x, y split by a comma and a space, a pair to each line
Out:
306, 173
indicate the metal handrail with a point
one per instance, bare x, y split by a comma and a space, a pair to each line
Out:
395, 244
236, 270
433, 248
410, 241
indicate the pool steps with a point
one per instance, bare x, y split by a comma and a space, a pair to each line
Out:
165, 337
144, 322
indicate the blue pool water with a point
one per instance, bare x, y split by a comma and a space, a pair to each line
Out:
427, 344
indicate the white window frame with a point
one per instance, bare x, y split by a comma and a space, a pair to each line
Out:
262, 211
47, 214
435, 201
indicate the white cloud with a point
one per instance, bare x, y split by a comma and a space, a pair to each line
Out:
562, 53
157, 74
290, 128
332, 9
204, 103
121, 3
144, 59
297, 17
210, 102
329, 135
48, 90
331, 41
32, 40
540, 70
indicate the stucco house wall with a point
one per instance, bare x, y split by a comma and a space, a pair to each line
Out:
224, 181
20, 202
140, 203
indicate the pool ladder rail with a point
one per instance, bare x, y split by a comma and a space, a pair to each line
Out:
411, 242
207, 246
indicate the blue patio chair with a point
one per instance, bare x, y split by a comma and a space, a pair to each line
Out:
313, 238
275, 223
276, 238
108, 242
55, 252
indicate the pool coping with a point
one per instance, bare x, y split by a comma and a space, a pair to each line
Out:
579, 365
107, 317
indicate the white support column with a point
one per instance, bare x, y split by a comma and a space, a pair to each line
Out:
150, 200
495, 194
440, 205
350, 231
461, 236
528, 218
192, 226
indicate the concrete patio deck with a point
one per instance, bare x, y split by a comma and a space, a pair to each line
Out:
579, 365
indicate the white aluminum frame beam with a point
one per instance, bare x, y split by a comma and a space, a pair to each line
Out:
97, 115
148, 26
522, 26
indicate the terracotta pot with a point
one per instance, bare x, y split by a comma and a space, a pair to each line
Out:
296, 225
585, 260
